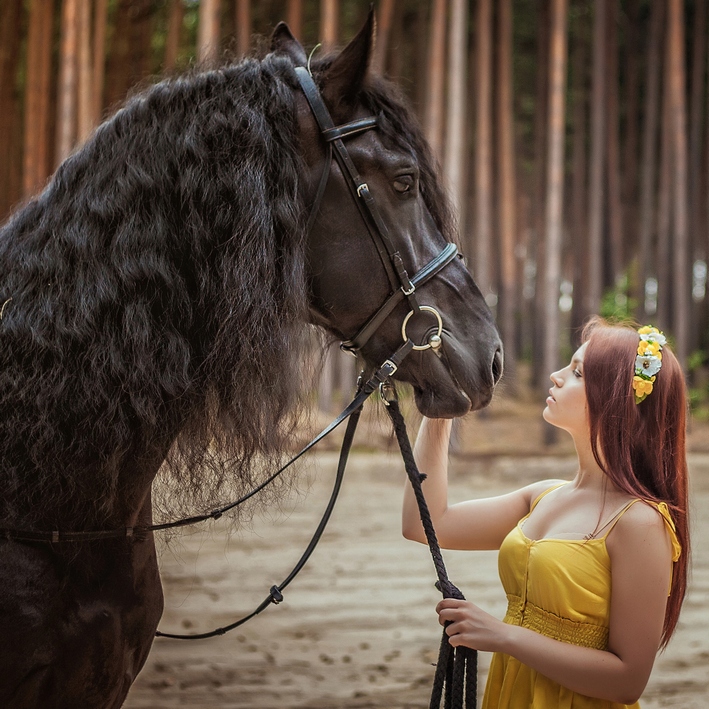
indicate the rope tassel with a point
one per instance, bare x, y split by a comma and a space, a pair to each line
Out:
456, 678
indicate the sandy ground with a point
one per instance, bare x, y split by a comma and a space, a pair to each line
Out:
357, 628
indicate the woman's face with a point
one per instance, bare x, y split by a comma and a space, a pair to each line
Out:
566, 403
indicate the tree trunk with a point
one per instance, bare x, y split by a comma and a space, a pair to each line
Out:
578, 223
85, 117
208, 31
243, 27
615, 206
632, 118
598, 153
483, 266
436, 71
535, 320
680, 227
664, 201
649, 161
555, 188
36, 164
119, 69
385, 16
67, 90
455, 124
10, 35
174, 32
506, 188
99, 58
295, 18
328, 24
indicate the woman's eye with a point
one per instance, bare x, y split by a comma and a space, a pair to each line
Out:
577, 373
403, 184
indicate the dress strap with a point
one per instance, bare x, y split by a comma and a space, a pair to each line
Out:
608, 526
546, 492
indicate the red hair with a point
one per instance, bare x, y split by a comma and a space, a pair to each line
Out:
640, 447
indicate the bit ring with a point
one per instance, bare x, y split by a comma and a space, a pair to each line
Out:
428, 309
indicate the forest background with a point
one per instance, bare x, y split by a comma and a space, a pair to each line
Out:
573, 136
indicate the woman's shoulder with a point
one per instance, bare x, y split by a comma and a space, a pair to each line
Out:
641, 524
535, 491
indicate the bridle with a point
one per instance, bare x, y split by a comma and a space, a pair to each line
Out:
402, 287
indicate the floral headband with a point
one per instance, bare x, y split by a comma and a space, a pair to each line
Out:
648, 361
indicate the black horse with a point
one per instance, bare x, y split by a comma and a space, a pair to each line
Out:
154, 298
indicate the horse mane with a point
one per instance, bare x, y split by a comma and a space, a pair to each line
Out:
155, 298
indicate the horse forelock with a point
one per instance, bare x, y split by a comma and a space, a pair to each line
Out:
158, 297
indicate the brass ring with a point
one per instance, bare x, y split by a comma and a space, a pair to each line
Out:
406, 320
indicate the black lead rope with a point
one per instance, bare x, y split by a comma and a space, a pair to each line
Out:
456, 670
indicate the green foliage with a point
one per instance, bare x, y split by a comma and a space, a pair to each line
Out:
616, 304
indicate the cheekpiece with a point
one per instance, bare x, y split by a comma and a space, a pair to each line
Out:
648, 361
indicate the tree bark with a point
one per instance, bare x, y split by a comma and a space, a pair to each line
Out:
535, 321
433, 119
99, 58
295, 18
632, 119
36, 164
329, 24
649, 150
455, 124
174, 32
10, 34
208, 31
85, 113
67, 90
384, 21
243, 27
578, 223
555, 186
680, 225
483, 267
664, 200
615, 206
506, 188
598, 154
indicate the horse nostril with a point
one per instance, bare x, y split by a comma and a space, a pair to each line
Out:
497, 360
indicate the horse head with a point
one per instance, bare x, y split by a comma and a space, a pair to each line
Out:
351, 273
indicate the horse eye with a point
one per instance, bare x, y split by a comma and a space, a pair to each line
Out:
404, 183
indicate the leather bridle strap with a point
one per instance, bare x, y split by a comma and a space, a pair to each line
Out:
373, 324
333, 135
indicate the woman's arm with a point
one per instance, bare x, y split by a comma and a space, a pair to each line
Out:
475, 524
641, 560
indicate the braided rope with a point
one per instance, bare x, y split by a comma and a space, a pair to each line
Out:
456, 670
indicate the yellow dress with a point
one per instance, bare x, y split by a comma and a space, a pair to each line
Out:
559, 588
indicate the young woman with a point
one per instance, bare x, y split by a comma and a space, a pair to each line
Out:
595, 568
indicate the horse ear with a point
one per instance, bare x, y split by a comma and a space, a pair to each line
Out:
283, 42
343, 79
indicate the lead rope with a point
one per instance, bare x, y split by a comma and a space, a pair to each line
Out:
456, 670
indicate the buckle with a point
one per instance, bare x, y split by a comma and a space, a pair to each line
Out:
360, 188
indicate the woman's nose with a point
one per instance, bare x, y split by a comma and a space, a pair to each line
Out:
555, 378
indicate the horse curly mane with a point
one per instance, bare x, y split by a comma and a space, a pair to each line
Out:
155, 293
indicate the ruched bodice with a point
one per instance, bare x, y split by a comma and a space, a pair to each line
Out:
560, 588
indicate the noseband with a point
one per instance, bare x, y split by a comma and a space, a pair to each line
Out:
402, 287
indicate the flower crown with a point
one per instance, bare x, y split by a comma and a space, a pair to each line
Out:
648, 361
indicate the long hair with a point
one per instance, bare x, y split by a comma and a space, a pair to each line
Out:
640, 447
158, 295
155, 296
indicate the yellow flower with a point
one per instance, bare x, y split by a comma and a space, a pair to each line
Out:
649, 349
647, 329
642, 387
